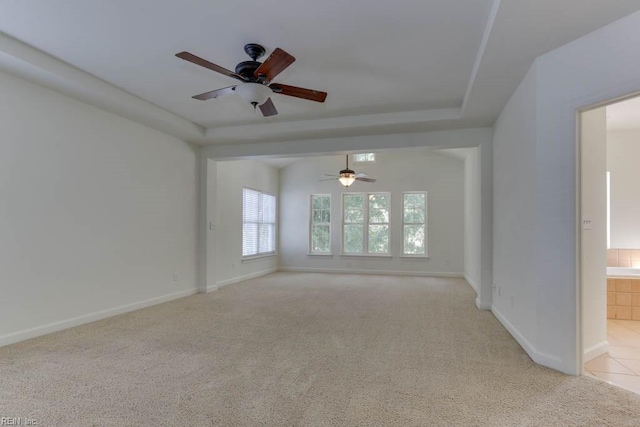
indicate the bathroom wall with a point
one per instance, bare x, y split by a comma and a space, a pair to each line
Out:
623, 298
628, 258
623, 152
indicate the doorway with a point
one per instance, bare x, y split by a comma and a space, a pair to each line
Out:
609, 204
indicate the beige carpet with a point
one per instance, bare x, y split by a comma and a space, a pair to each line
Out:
301, 349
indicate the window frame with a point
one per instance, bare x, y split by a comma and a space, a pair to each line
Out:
259, 254
363, 162
310, 250
366, 223
425, 224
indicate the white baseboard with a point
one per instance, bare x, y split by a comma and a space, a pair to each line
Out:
378, 272
471, 283
482, 306
242, 278
537, 356
595, 351
91, 317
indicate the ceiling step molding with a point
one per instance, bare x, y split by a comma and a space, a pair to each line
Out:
22, 60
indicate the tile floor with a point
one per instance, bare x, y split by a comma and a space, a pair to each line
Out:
621, 365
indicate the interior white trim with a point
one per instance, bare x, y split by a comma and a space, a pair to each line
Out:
481, 50
374, 272
91, 317
26, 62
537, 356
452, 138
266, 130
482, 306
595, 351
471, 282
241, 278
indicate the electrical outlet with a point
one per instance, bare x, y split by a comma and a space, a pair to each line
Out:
176, 277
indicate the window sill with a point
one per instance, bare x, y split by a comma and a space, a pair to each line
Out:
385, 256
254, 258
417, 257
312, 254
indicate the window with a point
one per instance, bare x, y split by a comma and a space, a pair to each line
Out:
364, 157
365, 222
258, 223
414, 223
320, 241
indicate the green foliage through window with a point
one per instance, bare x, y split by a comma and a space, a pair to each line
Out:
366, 223
414, 228
320, 224
364, 157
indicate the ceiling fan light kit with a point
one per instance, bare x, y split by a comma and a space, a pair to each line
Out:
347, 176
254, 93
255, 78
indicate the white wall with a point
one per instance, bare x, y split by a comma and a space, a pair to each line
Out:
623, 152
514, 215
97, 213
536, 262
396, 171
485, 290
232, 176
593, 190
472, 218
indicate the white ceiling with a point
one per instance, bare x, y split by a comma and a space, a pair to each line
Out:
402, 66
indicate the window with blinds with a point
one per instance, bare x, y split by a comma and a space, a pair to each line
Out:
258, 223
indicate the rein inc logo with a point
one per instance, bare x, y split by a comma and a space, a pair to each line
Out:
17, 421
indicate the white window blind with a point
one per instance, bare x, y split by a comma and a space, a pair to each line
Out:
258, 223
414, 223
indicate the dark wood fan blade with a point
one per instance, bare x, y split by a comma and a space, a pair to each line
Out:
299, 92
275, 64
268, 109
215, 93
365, 179
206, 64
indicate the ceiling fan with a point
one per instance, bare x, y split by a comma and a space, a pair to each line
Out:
255, 77
348, 177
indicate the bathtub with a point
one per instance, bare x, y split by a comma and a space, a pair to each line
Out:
623, 271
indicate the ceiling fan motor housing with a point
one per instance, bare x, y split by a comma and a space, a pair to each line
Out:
247, 68
254, 50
